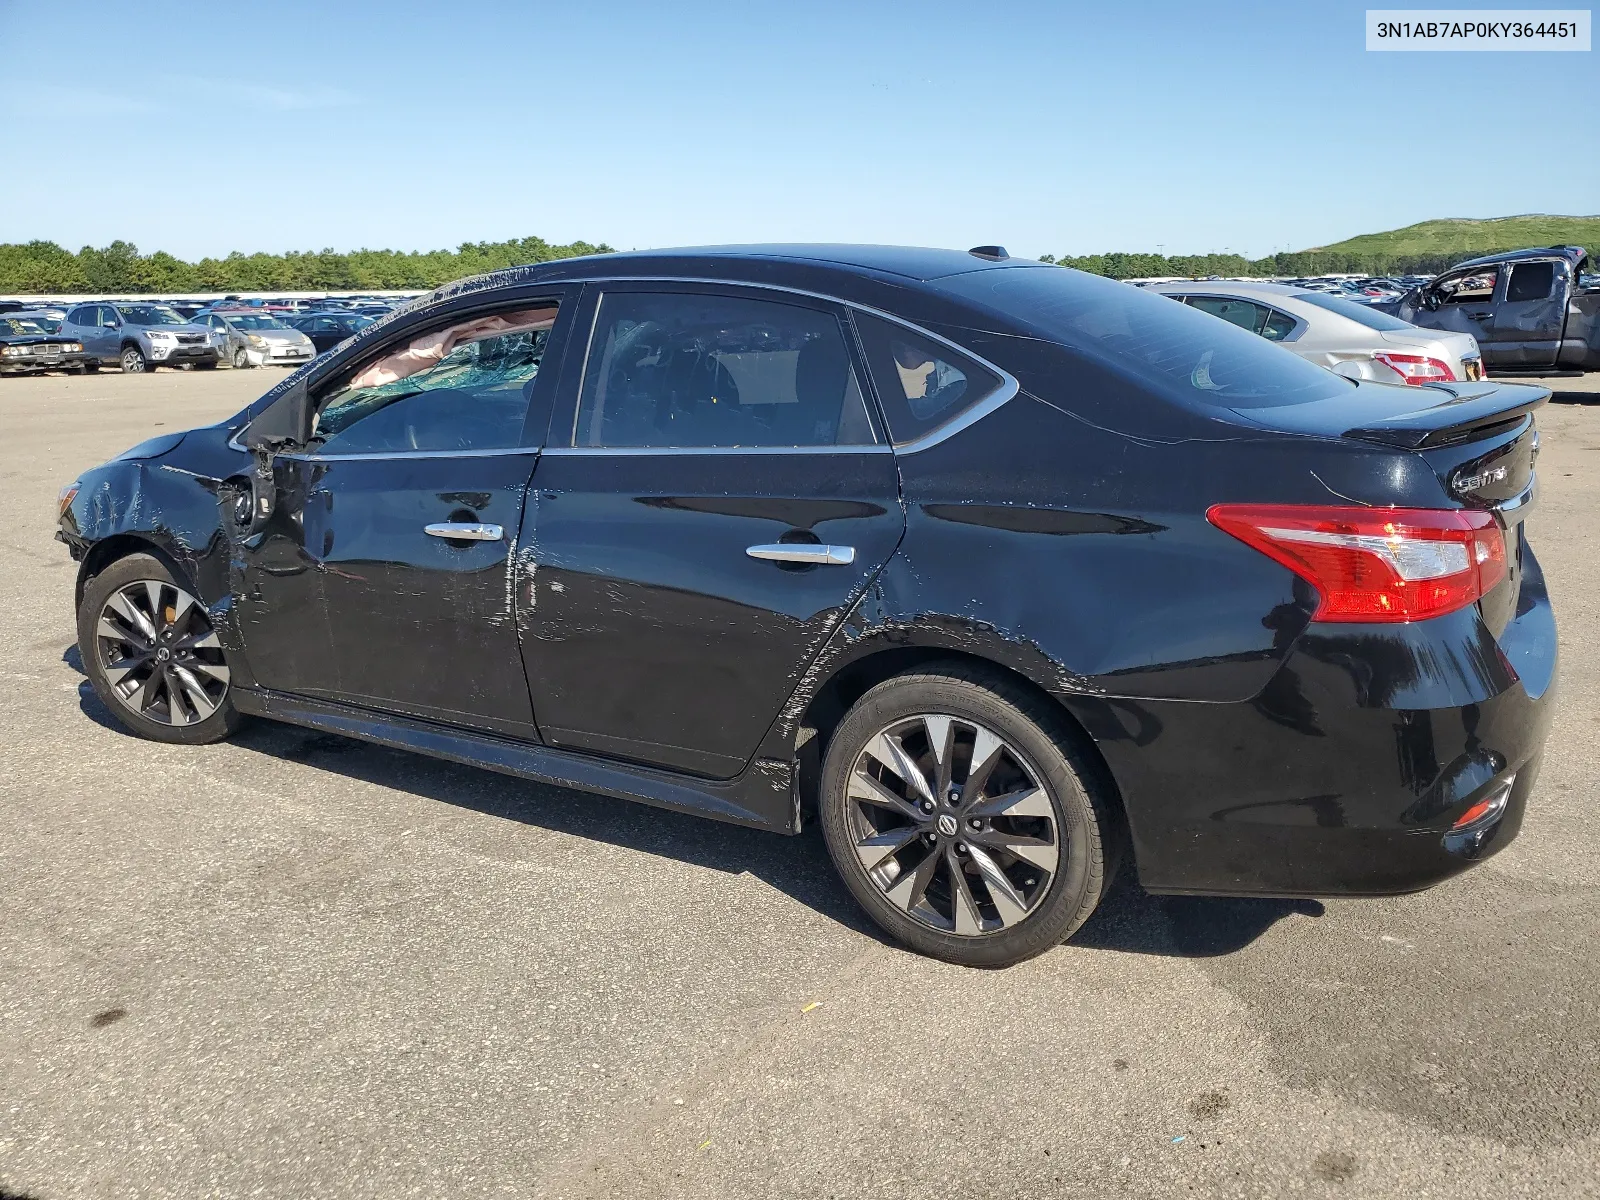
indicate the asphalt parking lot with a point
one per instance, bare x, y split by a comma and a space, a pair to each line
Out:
294, 965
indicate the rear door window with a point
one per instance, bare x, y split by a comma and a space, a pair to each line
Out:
1531, 281
699, 370
1238, 312
1278, 326
923, 384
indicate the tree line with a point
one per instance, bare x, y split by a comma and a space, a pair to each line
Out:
46, 268
120, 268
1121, 265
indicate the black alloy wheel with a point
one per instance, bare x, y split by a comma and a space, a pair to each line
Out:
149, 649
959, 815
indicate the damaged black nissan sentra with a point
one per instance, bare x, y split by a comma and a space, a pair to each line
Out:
999, 570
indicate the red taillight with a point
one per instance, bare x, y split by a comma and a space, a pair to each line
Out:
1376, 564
1416, 368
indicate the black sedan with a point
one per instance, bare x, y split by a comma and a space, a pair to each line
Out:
1000, 572
327, 329
28, 345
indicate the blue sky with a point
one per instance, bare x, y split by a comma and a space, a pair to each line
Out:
1047, 127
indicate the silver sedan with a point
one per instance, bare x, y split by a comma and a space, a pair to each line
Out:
1347, 338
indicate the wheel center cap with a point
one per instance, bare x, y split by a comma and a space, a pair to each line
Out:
163, 654
947, 825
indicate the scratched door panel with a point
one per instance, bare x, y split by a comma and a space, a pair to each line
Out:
421, 624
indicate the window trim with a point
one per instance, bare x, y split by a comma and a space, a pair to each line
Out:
1009, 387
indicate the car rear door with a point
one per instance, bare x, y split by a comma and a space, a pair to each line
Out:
715, 498
1528, 320
398, 564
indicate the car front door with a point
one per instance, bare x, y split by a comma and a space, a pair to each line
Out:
396, 572
1528, 321
716, 498
1464, 303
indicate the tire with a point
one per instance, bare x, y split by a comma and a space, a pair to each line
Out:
92, 368
241, 360
134, 362
1041, 797
177, 688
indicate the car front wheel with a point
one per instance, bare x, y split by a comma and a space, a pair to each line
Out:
961, 817
134, 361
241, 360
149, 650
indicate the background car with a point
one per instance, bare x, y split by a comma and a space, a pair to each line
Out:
26, 346
268, 341
1348, 338
233, 346
327, 329
138, 337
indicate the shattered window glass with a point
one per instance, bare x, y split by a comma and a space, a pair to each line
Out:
462, 387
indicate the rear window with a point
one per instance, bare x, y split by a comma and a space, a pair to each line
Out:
1359, 313
1186, 354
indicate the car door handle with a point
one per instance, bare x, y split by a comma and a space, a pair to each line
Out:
804, 552
1480, 316
465, 531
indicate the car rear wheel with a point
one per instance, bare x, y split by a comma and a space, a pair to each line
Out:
152, 655
134, 361
962, 820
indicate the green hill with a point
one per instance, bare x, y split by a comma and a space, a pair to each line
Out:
1459, 237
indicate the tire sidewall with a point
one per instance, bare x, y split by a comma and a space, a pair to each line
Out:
1077, 885
114, 578
134, 362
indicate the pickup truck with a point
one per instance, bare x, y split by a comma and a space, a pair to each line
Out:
1528, 309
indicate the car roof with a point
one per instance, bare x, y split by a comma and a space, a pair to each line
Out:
1573, 254
918, 263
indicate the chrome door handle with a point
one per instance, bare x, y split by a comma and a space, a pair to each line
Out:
465, 531
804, 552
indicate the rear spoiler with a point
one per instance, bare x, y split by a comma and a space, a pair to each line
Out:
1465, 413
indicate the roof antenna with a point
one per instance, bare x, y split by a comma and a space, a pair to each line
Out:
996, 253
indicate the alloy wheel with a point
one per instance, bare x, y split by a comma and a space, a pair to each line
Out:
240, 358
132, 361
159, 653
951, 824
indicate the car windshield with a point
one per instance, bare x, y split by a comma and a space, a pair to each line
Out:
252, 321
1188, 354
23, 327
150, 314
1360, 313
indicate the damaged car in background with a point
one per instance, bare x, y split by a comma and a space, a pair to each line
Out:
1530, 310
1003, 573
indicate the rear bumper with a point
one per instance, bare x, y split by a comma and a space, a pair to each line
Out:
1345, 775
